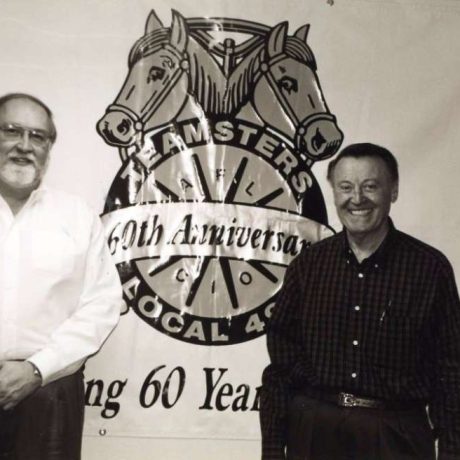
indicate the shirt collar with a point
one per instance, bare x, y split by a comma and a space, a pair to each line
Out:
38, 193
34, 197
380, 255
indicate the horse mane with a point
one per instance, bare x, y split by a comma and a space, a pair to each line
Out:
241, 80
148, 44
208, 82
299, 50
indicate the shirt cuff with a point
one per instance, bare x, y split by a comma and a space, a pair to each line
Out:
45, 362
48, 363
36, 370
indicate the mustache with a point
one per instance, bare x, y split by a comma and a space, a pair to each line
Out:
23, 156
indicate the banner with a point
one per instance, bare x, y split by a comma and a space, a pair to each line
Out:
202, 133
217, 136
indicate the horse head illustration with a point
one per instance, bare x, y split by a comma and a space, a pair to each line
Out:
167, 68
286, 92
156, 85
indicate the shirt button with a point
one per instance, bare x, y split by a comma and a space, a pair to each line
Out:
354, 375
355, 343
360, 275
357, 308
376, 265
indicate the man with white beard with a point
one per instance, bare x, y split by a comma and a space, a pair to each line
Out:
60, 294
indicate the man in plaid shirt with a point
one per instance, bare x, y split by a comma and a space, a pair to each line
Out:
365, 335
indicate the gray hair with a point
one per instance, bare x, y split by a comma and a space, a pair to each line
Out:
11, 96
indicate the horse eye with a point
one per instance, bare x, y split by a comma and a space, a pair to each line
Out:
168, 62
155, 73
288, 84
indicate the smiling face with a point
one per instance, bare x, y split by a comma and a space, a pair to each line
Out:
363, 192
23, 158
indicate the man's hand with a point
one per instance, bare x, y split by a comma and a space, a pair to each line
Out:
17, 381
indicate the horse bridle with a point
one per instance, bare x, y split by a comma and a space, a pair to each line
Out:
155, 100
301, 126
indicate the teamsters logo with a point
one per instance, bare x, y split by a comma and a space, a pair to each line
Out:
218, 124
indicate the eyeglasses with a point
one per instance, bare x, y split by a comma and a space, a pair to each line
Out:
15, 133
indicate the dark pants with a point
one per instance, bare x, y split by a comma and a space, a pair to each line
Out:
47, 425
320, 430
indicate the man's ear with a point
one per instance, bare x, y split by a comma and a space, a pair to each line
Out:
394, 192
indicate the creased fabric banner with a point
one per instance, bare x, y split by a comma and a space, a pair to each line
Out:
202, 133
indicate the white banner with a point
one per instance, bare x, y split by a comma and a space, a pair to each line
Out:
201, 132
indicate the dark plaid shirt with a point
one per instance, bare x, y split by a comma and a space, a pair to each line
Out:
386, 328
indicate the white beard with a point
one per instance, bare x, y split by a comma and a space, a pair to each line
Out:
20, 176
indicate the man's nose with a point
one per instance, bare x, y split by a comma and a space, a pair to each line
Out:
24, 143
357, 195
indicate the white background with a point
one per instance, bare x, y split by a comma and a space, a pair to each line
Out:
389, 72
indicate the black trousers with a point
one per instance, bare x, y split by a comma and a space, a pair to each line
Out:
47, 425
319, 430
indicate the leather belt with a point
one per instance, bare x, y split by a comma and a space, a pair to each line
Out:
343, 399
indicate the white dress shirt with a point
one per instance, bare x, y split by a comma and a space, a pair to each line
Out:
60, 293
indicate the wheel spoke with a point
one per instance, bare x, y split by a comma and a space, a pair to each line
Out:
231, 193
270, 197
201, 178
197, 281
163, 266
227, 272
166, 191
263, 270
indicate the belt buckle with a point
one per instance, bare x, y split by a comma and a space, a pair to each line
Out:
347, 400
